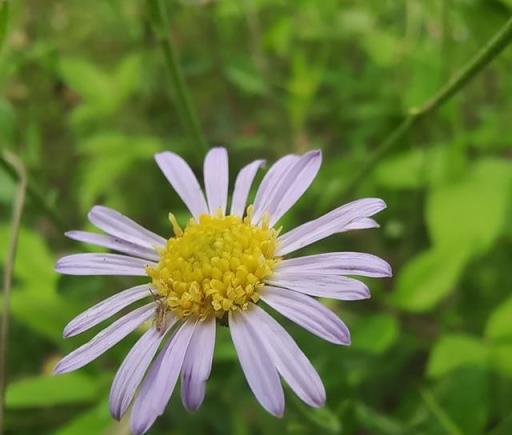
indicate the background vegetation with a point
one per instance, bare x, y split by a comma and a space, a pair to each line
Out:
86, 100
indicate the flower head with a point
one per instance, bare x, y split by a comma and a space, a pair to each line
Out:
220, 266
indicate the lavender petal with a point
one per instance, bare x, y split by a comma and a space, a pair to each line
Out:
308, 313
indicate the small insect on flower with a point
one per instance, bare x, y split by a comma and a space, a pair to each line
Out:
160, 311
221, 268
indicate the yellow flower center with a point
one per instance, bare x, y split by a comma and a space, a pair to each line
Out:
214, 266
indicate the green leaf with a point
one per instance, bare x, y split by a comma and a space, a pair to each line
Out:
45, 391
375, 334
499, 324
7, 122
96, 420
501, 358
375, 422
454, 351
127, 77
247, 78
87, 80
459, 404
321, 419
411, 169
382, 47
472, 211
465, 397
4, 20
34, 300
503, 428
428, 278
110, 156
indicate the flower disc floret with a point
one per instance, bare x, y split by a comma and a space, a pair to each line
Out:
214, 266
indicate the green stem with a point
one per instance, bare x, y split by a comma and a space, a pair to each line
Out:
8, 270
442, 417
486, 54
33, 193
184, 104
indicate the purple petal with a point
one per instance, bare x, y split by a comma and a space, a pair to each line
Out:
293, 184
270, 181
243, 185
289, 360
102, 264
114, 243
308, 313
337, 263
216, 179
161, 379
184, 182
118, 225
133, 368
333, 222
256, 363
103, 310
198, 364
362, 224
319, 284
105, 339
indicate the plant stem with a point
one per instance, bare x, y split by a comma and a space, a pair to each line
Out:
17, 212
33, 193
442, 417
486, 54
184, 104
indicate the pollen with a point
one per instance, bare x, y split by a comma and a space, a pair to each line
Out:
215, 265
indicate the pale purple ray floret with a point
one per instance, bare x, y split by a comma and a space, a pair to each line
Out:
181, 347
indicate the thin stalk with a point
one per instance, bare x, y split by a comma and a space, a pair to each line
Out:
17, 212
33, 193
437, 410
161, 26
469, 71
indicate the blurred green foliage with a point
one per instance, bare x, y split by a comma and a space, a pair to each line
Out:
85, 102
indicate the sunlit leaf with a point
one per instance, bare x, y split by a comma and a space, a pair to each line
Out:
111, 155
472, 211
247, 78
375, 334
501, 358
34, 300
411, 169
87, 80
499, 324
454, 351
428, 278
95, 420
45, 391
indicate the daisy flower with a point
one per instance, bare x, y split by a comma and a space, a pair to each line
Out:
223, 266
